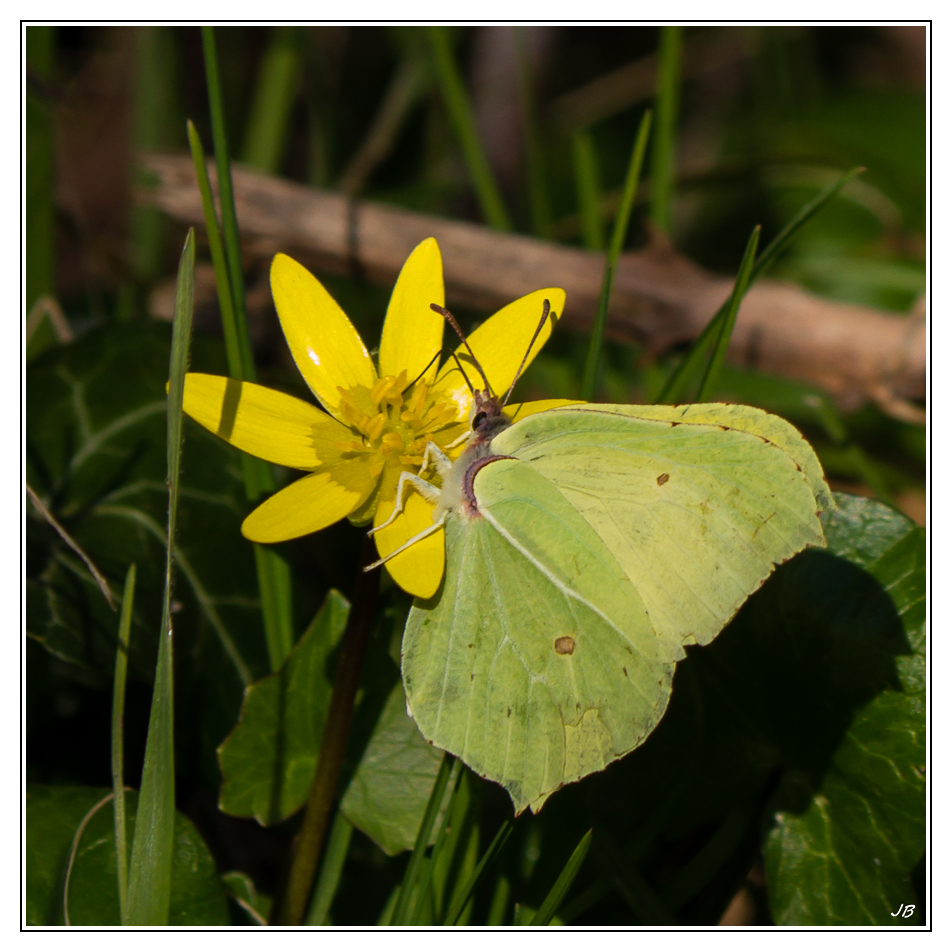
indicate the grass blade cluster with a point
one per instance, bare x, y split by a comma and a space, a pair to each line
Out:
553, 900
274, 576
688, 369
401, 909
460, 111
482, 867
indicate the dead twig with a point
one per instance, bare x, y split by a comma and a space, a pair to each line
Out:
660, 298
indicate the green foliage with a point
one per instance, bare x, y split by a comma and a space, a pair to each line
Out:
387, 795
268, 759
53, 815
96, 453
841, 851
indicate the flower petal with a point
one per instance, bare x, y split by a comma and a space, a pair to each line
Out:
499, 344
312, 503
263, 422
326, 348
412, 332
419, 570
519, 411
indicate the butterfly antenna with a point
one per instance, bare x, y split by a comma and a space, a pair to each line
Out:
538, 330
452, 322
463, 372
422, 372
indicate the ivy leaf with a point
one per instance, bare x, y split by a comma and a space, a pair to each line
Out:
53, 815
842, 855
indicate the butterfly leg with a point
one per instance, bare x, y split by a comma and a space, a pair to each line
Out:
427, 490
429, 530
462, 438
435, 457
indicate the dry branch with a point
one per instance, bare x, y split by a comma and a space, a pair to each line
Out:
660, 298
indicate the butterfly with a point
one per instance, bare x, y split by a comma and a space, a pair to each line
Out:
586, 547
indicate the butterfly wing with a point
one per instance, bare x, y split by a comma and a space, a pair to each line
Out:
536, 662
697, 503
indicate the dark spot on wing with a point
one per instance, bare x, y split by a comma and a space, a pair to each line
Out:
663, 478
564, 645
721, 425
624, 671
508, 712
470, 645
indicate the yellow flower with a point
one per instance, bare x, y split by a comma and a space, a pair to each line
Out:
378, 419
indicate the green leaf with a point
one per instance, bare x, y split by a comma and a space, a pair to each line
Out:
388, 793
53, 815
841, 854
150, 866
562, 885
241, 888
96, 455
268, 759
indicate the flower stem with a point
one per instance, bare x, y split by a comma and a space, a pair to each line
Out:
290, 911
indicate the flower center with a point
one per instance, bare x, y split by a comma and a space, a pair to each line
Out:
394, 421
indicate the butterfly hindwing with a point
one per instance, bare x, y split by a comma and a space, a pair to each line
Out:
697, 503
536, 663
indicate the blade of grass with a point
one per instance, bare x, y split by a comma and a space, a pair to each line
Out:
118, 707
150, 867
499, 905
588, 189
539, 202
403, 92
457, 103
266, 134
691, 365
482, 867
592, 360
74, 849
663, 151
73, 544
399, 916
637, 894
274, 578
741, 284
562, 885
426, 879
707, 862
328, 879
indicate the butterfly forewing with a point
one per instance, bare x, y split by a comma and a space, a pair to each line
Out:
697, 514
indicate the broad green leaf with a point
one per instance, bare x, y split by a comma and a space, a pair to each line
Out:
388, 793
268, 759
96, 454
53, 815
843, 853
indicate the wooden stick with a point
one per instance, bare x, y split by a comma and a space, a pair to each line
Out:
660, 298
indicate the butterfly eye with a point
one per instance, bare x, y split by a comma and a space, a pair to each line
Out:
478, 419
